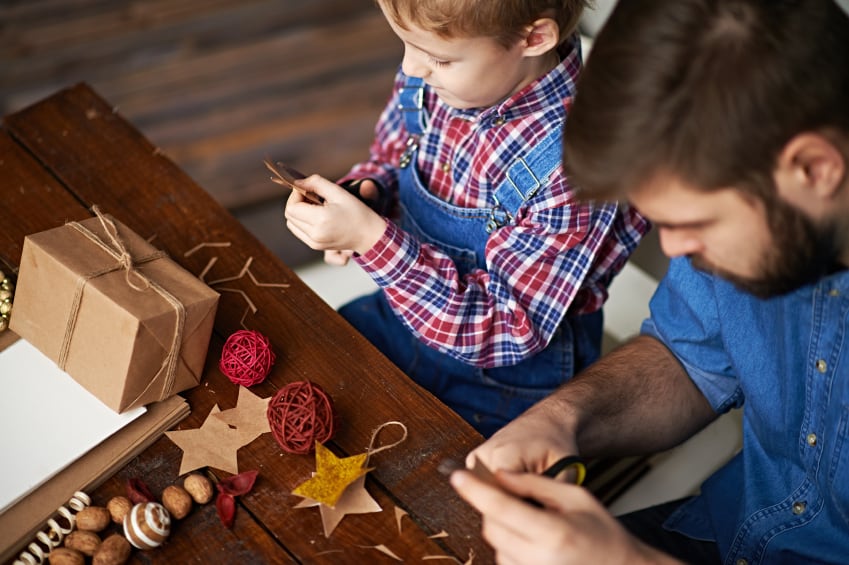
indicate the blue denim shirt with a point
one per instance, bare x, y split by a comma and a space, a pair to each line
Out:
785, 497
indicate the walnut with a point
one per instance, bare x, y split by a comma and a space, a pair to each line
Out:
198, 487
93, 518
177, 501
65, 556
114, 550
83, 541
118, 507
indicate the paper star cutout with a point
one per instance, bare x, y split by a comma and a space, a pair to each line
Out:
355, 500
249, 415
214, 444
332, 476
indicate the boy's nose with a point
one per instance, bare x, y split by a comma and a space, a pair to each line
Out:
413, 65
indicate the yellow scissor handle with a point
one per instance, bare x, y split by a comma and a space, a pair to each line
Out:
568, 462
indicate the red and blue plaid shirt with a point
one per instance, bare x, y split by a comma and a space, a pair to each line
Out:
508, 312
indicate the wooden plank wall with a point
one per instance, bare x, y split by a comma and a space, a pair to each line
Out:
217, 85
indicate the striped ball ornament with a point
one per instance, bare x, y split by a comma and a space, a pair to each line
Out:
147, 525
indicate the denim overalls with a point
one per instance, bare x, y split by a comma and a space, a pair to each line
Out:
486, 398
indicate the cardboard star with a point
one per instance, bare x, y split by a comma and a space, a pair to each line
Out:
355, 500
332, 476
249, 415
214, 444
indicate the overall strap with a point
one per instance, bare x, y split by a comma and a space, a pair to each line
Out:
411, 105
524, 178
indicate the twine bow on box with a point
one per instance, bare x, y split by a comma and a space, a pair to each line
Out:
136, 280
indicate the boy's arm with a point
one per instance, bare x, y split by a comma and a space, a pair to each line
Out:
534, 272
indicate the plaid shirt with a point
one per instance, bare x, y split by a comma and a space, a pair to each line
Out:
508, 312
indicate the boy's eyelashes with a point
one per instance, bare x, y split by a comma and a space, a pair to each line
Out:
438, 62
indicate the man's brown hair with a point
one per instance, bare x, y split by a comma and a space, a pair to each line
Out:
503, 20
708, 91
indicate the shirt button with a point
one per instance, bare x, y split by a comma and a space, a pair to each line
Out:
799, 507
822, 366
812, 439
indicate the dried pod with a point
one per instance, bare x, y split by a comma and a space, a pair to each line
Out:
118, 507
93, 518
147, 525
198, 487
177, 501
115, 550
65, 556
83, 541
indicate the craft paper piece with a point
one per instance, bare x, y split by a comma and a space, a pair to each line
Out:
399, 515
332, 476
249, 415
49, 421
355, 500
214, 444
385, 550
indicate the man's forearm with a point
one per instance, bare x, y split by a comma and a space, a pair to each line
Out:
637, 399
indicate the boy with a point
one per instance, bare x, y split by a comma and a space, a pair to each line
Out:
493, 278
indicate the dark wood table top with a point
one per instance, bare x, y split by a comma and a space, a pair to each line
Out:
69, 152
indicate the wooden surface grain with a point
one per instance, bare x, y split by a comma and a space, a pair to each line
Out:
71, 151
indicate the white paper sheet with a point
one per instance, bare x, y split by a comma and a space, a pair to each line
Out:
47, 421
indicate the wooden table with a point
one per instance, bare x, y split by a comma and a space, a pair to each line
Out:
71, 151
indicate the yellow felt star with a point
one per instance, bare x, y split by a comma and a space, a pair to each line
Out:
332, 476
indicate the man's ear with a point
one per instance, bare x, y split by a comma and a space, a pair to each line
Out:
543, 36
810, 171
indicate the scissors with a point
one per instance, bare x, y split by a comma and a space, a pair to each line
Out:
482, 472
568, 462
285, 175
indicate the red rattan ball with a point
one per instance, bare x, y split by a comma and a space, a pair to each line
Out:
299, 415
246, 358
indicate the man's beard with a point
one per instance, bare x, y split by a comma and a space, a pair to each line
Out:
801, 254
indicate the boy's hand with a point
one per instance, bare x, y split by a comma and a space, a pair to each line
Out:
340, 222
572, 528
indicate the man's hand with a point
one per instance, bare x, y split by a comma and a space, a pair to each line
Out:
530, 443
572, 528
341, 222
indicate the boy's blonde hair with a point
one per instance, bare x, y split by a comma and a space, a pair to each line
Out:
505, 21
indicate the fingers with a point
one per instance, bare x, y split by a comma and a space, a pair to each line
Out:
337, 257
368, 190
494, 503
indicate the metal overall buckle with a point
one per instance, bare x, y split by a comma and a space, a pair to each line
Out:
407, 155
498, 217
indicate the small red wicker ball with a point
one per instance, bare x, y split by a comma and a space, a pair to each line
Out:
299, 415
246, 357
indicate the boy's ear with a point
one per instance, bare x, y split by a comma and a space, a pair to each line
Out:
810, 171
543, 36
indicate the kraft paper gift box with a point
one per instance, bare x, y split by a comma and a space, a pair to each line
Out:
124, 320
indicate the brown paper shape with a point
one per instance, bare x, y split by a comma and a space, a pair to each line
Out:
355, 500
121, 336
333, 475
214, 444
249, 415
